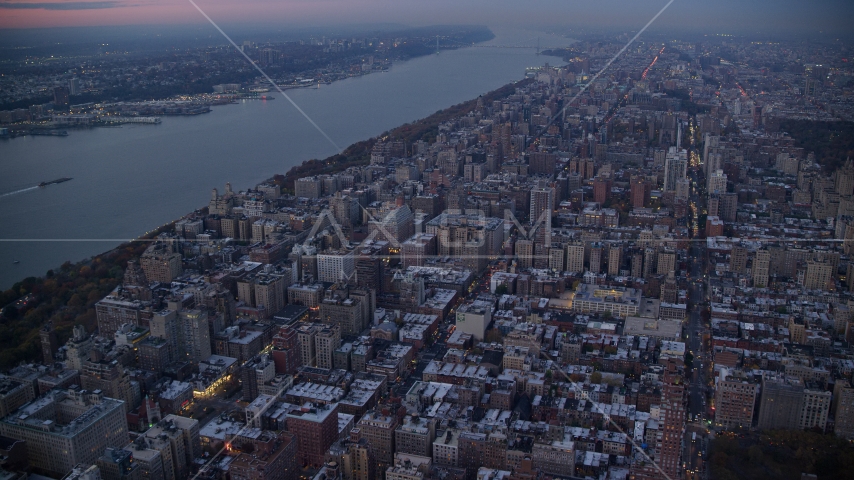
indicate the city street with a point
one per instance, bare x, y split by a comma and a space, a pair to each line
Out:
695, 441
695, 329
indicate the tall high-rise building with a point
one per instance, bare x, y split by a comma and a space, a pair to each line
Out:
395, 226
333, 266
542, 205
757, 115
482, 450
351, 458
111, 379
683, 188
305, 294
344, 310
415, 436
472, 447
673, 409
159, 448
150, 461
418, 249
194, 335
164, 325
254, 373
177, 439
717, 182
714, 205
818, 275
186, 332
780, 403
456, 234
650, 261
308, 187
222, 205
637, 264
134, 276
161, 263
596, 253
729, 206
814, 408
370, 265
542, 163
189, 430
575, 257
345, 210
412, 289
316, 429
666, 262
165, 451
675, 168
305, 338
615, 259
304, 258
761, 263
601, 189
270, 292
556, 259
74, 86
446, 448
670, 289
735, 397
378, 428
525, 253
285, 352
116, 309
640, 191
710, 144
326, 341
13, 394
738, 259
843, 409
154, 354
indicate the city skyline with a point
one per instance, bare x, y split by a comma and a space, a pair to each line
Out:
618, 248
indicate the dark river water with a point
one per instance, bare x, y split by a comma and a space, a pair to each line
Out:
132, 179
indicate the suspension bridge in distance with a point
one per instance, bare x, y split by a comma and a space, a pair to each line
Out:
454, 44
529, 47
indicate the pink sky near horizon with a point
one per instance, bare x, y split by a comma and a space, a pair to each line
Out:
141, 12
779, 15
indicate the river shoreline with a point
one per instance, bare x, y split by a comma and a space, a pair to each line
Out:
130, 178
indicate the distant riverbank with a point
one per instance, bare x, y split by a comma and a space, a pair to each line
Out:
92, 115
323, 63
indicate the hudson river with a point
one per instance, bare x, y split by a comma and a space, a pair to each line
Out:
132, 179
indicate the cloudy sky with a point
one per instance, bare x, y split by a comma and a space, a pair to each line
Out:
727, 16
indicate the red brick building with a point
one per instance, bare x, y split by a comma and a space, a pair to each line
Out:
316, 429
